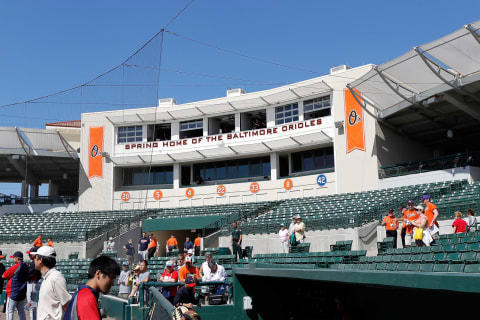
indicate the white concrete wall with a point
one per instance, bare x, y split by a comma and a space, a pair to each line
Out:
63, 249
20, 208
320, 241
460, 173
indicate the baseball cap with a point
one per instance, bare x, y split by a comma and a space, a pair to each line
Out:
282, 224
34, 249
17, 254
45, 251
419, 207
425, 197
188, 259
169, 264
209, 254
298, 217
125, 263
410, 202
190, 251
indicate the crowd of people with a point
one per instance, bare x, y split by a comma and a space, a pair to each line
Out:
420, 225
39, 288
293, 236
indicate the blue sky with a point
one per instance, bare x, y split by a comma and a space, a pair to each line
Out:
47, 46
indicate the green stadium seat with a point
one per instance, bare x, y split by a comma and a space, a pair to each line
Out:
440, 268
472, 268
426, 267
402, 266
456, 267
392, 267
469, 257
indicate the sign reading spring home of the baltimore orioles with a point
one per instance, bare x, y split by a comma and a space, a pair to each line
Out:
95, 149
354, 122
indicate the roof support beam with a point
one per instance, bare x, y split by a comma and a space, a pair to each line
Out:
460, 104
428, 62
173, 118
235, 151
231, 105
198, 109
291, 90
204, 157
263, 99
296, 141
474, 33
389, 80
173, 159
23, 171
269, 149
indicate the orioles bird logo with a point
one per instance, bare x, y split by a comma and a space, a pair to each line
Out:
353, 118
95, 151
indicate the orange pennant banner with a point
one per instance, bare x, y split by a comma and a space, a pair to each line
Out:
354, 122
95, 149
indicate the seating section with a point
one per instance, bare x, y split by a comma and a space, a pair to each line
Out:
355, 209
413, 167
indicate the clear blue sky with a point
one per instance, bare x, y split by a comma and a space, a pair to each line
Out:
47, 46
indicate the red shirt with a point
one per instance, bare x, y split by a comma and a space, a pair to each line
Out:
8, 275
461, 225
173, 275
87, 305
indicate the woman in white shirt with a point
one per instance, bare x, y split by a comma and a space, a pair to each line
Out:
283, 236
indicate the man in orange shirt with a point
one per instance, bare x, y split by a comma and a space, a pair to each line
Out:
172, 243
198, 244
409, 216
432, 214
50, 242
391, 225
188, 269
38, 242
152, 246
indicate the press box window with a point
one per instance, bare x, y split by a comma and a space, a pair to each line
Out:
159, 132
286, 114
310, 160
317, 108
191, 129
146, 176
129, 134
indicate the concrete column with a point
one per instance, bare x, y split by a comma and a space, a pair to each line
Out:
274, 166
176, 176
24, 193
33, 191
175, 130
237, 122
270, 114
300, 111
205, 127
52, 189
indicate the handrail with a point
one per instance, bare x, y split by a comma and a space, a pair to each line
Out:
170, 284
164, 304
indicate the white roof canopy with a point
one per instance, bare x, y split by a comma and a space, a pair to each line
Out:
447, 62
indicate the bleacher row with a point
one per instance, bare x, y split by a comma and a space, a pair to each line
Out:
355, 209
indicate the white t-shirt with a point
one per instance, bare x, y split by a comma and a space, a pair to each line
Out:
283, 235
220, 275
53, 295
205, 269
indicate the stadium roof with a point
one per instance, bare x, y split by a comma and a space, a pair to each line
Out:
451, 62
65, 124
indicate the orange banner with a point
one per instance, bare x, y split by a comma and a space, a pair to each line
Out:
354, 122
95, 150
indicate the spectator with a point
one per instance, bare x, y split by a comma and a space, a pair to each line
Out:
409, 216
172, 243
187, 245
188, 270
190, 254
299, 229
403, 232
50, 242
186, 294
236, 241
283, 236
421, 222
391, 225
431, 212
217, 274
2, 270
180, 262
53, 295
38, 242
204, 268
143, 246
124, 289
152, 246
292, 226
129, 251
170, 275
17, 276
471, 220
198, 245
110, 244
143, 276
133, 277
32, 284
101, 277
459, 225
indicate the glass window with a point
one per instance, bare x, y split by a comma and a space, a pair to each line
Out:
309, 160
316, 108
191, 125
146, 176
138, 176
286, 114
255, 168
296, 161
232, 170
266, 167
209, 172
129, 134
221, 171
243, 171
